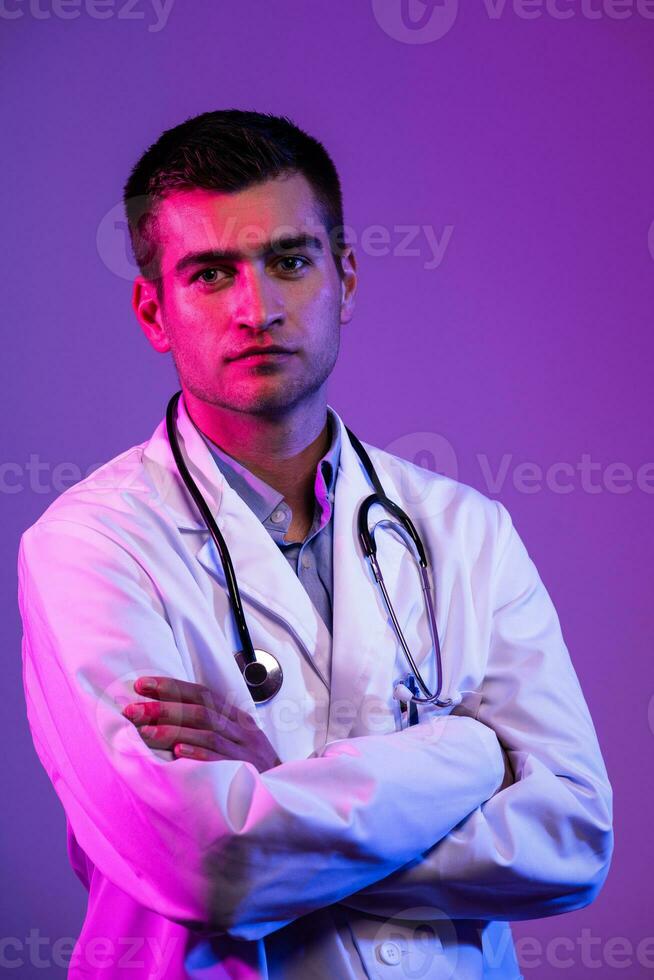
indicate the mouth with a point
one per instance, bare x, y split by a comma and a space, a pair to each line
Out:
273, 352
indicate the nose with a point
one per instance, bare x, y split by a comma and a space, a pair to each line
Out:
258, 303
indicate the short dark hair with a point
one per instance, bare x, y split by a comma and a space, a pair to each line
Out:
227, 150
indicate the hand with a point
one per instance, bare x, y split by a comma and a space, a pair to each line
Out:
192, 721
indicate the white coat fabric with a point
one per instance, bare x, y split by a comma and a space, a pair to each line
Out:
371, 851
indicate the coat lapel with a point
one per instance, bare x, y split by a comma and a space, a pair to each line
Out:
264, 576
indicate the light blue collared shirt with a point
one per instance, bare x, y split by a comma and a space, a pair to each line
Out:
311, 559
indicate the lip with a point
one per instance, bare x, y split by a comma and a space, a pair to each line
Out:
255, 353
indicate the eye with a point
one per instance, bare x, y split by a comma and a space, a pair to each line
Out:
207, 282
294, 258
290, 265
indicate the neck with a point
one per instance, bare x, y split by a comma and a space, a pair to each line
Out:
283, 450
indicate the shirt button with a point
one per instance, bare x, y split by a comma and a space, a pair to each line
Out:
389, 953
278, 516
306, 561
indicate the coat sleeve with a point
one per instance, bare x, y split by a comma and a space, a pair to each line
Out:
216, 846
543, 843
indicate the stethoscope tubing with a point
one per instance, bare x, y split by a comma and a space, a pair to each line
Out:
247, 656
247, 647
369, 546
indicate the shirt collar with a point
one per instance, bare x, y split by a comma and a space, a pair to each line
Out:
260, 497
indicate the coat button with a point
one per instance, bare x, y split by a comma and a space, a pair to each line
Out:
389, 953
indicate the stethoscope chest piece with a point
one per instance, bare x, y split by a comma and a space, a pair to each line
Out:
263, 675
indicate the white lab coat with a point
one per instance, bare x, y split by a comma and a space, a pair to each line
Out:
370, 851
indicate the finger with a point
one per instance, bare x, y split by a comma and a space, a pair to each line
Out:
184, 715
173, 689
176, 690
166, 736
184, 751
169, 712
180, 691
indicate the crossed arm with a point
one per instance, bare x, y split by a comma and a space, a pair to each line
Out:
236, 847
220, 847
543, 844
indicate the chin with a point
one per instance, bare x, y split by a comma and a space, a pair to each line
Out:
272, 400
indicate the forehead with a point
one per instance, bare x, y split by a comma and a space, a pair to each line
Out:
202, 219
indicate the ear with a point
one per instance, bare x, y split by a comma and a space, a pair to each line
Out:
148, 308
348, 283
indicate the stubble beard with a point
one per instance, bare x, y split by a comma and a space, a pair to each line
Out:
270, 401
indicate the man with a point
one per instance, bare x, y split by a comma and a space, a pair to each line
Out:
316, 833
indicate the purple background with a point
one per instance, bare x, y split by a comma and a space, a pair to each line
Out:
531, 340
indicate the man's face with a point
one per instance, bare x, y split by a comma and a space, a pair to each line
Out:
251, 295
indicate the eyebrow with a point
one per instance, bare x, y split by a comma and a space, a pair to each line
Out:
283, 244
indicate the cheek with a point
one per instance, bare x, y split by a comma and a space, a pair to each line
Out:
195, 330
321, 307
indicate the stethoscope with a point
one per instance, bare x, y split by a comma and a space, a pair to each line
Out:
261, 670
